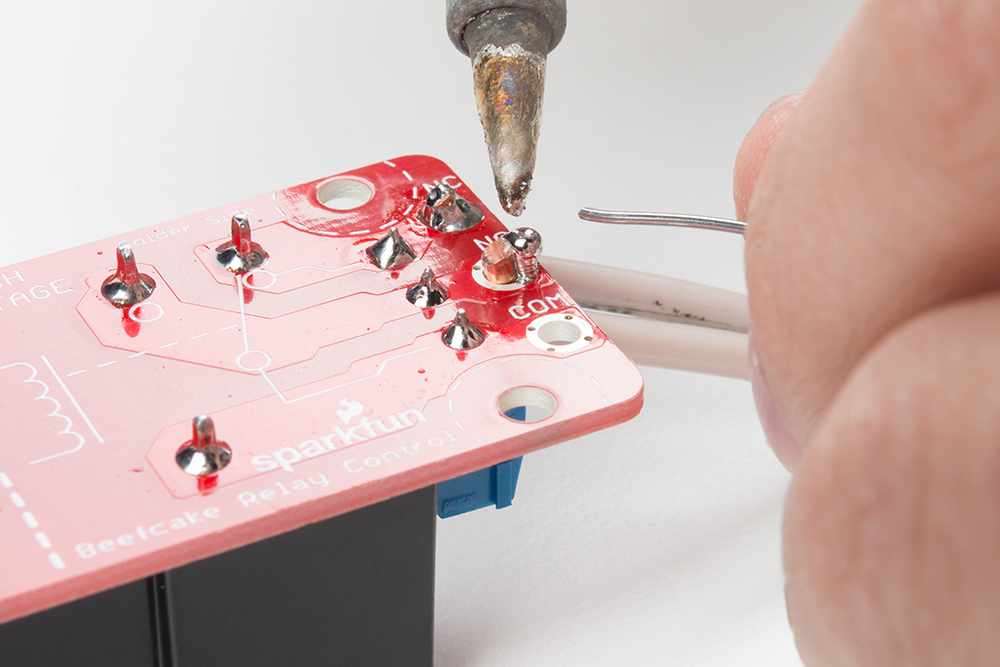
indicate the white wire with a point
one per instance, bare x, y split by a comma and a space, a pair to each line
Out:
660, 321
678, 346
648, 295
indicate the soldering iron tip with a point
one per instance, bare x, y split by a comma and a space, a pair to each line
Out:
512, 192
508, 49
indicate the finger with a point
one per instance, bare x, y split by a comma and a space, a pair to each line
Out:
879, 198
756, 145
892, 525
749, 161
779, 438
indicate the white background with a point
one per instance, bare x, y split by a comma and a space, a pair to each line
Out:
655, 543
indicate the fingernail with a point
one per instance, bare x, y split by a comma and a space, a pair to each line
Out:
779, 438
755, 147
785, 99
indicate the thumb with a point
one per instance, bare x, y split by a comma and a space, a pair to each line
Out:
749, 163
753, 153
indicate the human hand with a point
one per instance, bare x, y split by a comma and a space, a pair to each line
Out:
872, 255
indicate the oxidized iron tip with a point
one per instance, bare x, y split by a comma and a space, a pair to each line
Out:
203, 455
445, 211
391, 251
240, 254
462, 334
428, 293
127, 287
509, 48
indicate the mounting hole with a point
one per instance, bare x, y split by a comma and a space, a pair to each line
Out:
560, 333
344, 194
526, 405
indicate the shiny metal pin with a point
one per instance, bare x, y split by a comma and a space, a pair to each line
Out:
513, 257
527, 244
203, 455
391, 251
127, 287
427, 293
445, 211
663, 220
240, 254
462, 334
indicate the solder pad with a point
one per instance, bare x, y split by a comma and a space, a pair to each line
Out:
331, 389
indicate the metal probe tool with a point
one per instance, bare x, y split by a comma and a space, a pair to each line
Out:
508, 42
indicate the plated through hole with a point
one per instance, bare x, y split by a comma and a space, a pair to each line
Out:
527, 405
344, 194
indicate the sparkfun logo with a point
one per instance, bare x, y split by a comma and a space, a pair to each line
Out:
351, 409
342, 436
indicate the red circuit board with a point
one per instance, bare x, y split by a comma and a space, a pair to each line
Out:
332, 390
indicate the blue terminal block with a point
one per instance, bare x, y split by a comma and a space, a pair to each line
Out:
490, 486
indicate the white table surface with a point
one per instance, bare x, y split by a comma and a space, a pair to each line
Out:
654, 543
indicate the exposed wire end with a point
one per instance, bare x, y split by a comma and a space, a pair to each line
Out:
663, 220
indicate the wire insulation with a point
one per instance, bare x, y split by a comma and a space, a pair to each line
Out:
652, 296
660, 321
678, 346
